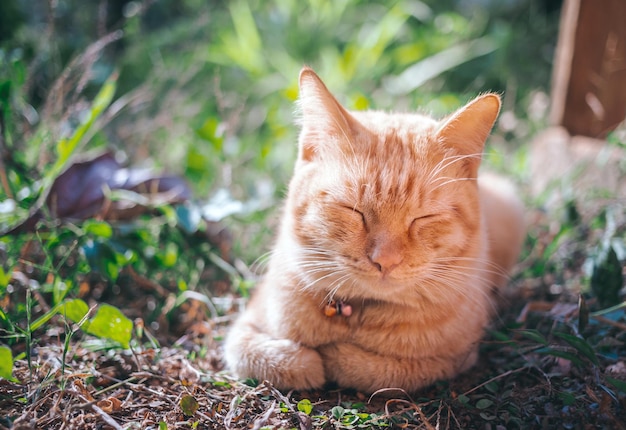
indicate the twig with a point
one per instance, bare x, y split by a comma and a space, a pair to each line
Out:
495, 378
92, 405
114, 386
107, 418
608, 321
412, 406
385, 390
258, 423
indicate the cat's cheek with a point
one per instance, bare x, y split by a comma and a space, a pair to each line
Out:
441, 236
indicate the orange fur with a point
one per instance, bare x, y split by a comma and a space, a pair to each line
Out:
384, 214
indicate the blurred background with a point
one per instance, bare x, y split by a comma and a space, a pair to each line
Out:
206, 89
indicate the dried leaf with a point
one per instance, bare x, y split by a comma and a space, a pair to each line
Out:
189, 405
110, 405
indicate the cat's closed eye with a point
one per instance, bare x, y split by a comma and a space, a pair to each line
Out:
357, 214
422, 220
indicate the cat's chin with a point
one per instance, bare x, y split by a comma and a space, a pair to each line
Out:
379, 287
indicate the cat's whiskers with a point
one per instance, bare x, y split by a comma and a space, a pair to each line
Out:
260, 264
456, 279
447, 289
450, 181
481, 264
445, 163
315, 262
335, 286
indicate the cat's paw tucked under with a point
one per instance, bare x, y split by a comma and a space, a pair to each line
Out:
283, 362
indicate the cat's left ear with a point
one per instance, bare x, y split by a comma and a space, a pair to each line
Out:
323, 118
468, 128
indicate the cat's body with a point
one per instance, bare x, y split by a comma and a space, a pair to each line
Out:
385, 225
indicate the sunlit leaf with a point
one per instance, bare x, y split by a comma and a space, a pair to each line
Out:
98, 228
210, 132
110, 323
428, 68
74, 310
4, 278
305, 406
6, 362
67, 146
45, 317
169, 255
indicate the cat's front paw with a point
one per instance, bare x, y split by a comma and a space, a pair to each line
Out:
283, 362
303, 370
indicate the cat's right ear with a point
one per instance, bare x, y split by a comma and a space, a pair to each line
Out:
323, 119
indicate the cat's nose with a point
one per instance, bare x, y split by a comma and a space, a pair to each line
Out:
385, 260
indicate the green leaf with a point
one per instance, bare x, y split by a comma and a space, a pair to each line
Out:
169, 255
210, 132
581, 346
337, 412
189, 405
4, 278
45, 317
102, 258
567, 398
607, 277
98, 228
6, 362
59, 289
561, 354
463, 399
533, 335
620, 385
162, 425
74, 310
305, 406
67, 146
484, 403
110, 323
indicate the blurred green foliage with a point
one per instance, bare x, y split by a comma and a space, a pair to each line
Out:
214, 83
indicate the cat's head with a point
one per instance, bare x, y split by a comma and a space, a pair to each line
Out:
382, 202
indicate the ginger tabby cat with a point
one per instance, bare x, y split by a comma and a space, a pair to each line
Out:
389, 251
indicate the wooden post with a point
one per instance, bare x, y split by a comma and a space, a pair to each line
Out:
589, 76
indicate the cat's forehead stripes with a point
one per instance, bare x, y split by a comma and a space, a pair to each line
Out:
390, 170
